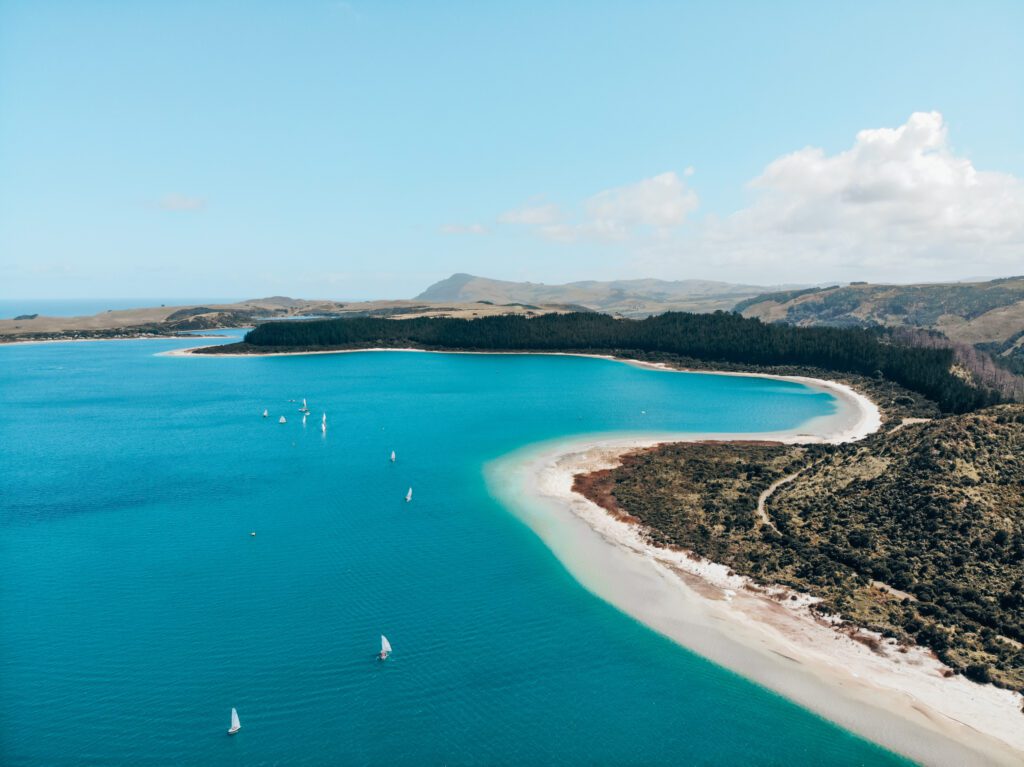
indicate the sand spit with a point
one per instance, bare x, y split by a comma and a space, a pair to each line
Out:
900, 699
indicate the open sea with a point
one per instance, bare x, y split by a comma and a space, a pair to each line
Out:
136, 609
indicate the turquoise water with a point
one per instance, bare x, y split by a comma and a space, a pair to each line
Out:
136, 609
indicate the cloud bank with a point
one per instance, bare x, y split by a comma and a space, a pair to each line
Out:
654, 205
899, 203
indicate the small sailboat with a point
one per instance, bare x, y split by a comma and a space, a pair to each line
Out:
408, 496
323, 424
266, 413
393, 456
282, 419
303, 409
303, 419
385, 648
235, 724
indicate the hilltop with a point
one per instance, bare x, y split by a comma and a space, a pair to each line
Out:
626, 298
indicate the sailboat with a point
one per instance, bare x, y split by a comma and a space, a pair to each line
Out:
392, 456
235, 724
266, 413
323, 424
408, 496
282, 419
385, 648
303, 409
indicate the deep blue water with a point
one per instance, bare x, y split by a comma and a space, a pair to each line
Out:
136, 609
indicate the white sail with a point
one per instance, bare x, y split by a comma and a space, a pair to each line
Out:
324, 419
282, 419
235, 724
323, 427
385, 645
408, 496
392, 456
266, 413
304, 404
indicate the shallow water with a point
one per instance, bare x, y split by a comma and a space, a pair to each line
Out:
136, 608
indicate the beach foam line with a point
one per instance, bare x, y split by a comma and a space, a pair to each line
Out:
900, 700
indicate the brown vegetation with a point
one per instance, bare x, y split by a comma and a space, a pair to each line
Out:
916, 534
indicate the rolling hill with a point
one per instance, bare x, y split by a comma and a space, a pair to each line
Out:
987, 315
626, 298
168, 320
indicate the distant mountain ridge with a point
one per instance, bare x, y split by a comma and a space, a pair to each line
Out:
627, 298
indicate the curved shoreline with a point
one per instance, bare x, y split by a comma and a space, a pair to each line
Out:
867, 418
900, 700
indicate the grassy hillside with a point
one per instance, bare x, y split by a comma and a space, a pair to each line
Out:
934, 511
988, 315
168, 320
626, 298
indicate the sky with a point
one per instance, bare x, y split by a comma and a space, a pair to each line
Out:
351, 150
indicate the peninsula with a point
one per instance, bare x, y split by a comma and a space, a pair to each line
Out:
855, 536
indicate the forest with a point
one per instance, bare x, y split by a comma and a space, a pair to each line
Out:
720, 336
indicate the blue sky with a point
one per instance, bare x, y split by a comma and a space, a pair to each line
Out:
355, 150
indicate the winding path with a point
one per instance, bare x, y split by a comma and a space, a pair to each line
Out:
761, 499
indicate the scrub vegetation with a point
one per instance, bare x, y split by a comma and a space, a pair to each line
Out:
917, 533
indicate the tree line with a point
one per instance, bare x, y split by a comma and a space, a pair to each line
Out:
719, 336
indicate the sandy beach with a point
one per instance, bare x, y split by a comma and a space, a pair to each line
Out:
898, 697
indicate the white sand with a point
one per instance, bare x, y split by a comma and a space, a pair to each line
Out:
901, 700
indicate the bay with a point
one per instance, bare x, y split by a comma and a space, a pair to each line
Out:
137, 609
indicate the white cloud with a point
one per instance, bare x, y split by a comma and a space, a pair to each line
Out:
661, 202
657, 204
899, 202
463, 229
532, 215
181, 202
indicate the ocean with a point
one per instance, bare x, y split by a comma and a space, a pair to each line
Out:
136, 609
